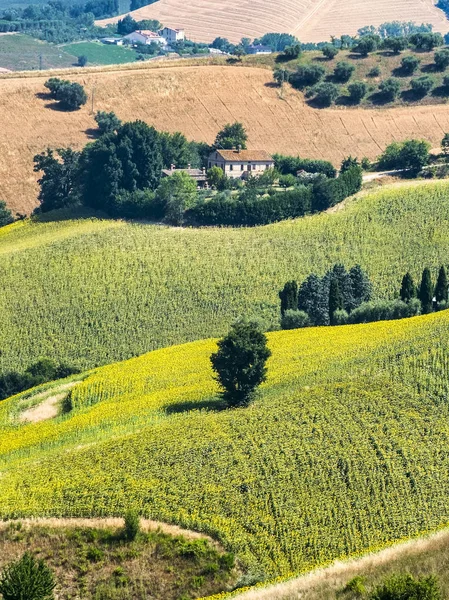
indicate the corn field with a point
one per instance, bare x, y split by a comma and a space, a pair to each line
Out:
89, 292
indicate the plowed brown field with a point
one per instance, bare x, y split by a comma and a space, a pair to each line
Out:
197, 101
310, 20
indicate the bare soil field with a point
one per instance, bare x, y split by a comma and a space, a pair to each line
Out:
198, 101
310, 20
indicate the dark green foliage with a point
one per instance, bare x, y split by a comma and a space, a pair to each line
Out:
240, 363
406, 587
58, 184
442, 59
307, 75
53, 85
27, 579
176, 194
329, 51
408, 288
395, 44
355, 586
441, 288
5, 214
445, 140
139, 204
335, 299
325, 93
409, 64
82, 60
357, 91
366, 44
294, 319
348, 163
329, 192
231, 136
390, 89
343, 71
289, 297
422, 85
107, 122
70, 96
127, 25
361, 287
287, 181
411, 155
426, 41
425, 294
384, 310
132, 525
281, 76
277, 41
290, 165
374, 72
176, 150
291, 52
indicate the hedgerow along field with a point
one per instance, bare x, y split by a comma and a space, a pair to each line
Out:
309, 20
88, 291
198, 101
343, 451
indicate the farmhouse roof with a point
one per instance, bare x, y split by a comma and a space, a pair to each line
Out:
198, 174
245, 155
147, 33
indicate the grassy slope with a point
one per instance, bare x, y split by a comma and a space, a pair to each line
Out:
21, 52
101, 54
343, 451
92, 292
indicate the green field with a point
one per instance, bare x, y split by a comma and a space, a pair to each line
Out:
22, 53
345, 449
91, 291
101, 54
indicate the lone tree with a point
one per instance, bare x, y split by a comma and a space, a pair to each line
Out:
240, 363
441, 291
408, 289
27, 579
107, 122
335, 299
231, 136
289, 297
426, 292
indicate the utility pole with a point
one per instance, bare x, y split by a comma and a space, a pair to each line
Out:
40, 62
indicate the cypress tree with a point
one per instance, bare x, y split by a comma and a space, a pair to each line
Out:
289, 297
408, 289
426, 292
361, 285
335, 299
441, 292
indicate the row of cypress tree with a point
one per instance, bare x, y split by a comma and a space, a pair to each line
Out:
432, 297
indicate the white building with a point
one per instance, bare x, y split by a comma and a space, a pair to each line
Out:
145, 36
239, 164
172, 36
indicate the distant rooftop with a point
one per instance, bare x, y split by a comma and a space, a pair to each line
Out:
245, 155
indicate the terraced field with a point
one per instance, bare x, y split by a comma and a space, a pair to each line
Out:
197, 100
310, 20
91, 292
344, 451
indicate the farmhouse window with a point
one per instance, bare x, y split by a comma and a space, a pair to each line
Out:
231, 168
242, 167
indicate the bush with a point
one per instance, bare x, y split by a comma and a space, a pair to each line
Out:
411, 155
442, 59
82, 60
292, 164
426, 41
329, 51
409, 64
421, 86
27, 579
140, 204
325, 93
287, 181
390, 88
395, 44
340, 317
70, 96
107, 122
406, 587
307, 75
374, 72
291, 52
357, 91
132, 525
295, 319
343, 72
366, 45
385, 310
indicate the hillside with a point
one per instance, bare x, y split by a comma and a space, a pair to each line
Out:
344, 450
198, 101
90, 291
310, 20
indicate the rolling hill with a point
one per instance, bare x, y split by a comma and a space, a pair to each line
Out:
198, 101
344, 450
310, 20
89, 291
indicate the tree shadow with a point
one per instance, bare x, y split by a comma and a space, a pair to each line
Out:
73, 213
379, 99
411, 96
345, 101
387, 53
92, 133
401, 72
272, 84
431, 68
440, 92
212, 405
354, 56
43, 95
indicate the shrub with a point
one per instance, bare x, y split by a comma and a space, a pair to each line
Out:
287, 181
307, 75
27, 579
69, 95
406, 587
343, 71
292, 164
295, 319
281, 76
82, 60
240, 363
140, 204
411, 155
340, 317
357, 91
390, 88
292, 52
374, 72
107, 122
426, 41
355, 586
132, 525
442, 59
409, 64
385, 310
366, 45
325, 93
395, 44
329, 51
421, 86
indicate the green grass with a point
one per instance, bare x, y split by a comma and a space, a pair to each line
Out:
21, 53
101, 54
90, 291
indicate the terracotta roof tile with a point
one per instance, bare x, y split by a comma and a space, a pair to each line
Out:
245, 155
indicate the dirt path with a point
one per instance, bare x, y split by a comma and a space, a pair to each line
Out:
340, 572
49, 408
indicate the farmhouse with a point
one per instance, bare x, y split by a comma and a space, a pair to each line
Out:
172, 36
241, 163
199, 175
145, 36
260, 50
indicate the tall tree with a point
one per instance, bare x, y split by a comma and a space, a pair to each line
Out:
408, 288
335, 299
313, 301
231, 136
289, 297
426, 292
240, 363
361, 285
441, 289
58, 184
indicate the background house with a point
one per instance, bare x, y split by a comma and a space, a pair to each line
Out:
145, 36
199, 175
172, 36
259, 50
239, 164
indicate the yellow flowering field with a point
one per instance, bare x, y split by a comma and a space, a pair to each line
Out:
344, 450
89, 291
